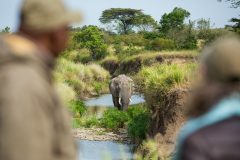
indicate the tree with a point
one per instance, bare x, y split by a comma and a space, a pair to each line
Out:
234, 3
236, 26
5, 30
125, 19
92, 37
203, 28
173, 20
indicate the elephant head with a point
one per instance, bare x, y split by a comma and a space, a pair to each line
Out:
121, 88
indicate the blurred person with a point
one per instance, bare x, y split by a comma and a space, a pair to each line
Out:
33, 123
212, 132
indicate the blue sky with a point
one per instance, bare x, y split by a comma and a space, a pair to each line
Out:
219, 13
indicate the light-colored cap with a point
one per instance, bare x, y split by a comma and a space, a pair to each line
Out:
47, 15
222, 60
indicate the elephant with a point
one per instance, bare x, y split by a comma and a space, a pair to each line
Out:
121, 88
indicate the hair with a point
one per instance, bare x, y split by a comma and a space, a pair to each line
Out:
208, 94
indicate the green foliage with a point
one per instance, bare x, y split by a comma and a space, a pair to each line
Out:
77, 108
173, 20
82, 78
148, 151
78, 56
126, 18
155, 82
91, 122
130, 39
66, 93
76, 123
151, 35
161, 44
139, 118
92, 38
114, 119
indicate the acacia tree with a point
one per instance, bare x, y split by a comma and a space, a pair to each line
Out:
234, 3
126, 19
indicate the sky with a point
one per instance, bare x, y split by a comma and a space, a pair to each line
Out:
218, 13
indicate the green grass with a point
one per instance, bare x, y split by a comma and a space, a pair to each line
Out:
86, 80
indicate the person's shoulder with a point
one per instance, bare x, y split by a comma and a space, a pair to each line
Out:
17, 45
22, 75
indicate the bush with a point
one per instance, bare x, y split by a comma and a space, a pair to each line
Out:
92, 38
77, 108
151, 35
67, 93
91, 122
78, 56
139, 118
130, 39
82, 77
161, 44
76, 123
156, 84
114, 119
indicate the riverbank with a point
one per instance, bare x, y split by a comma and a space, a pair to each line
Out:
101, 134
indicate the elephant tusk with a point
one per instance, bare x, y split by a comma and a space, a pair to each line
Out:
130, 99
119, 101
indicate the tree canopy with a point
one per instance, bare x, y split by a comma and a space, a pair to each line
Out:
234, 3
173, 20
126, 19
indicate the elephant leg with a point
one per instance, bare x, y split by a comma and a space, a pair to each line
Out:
116, 102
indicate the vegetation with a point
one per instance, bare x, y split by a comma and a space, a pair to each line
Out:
114, 119
126, 19
5, 30
159, 56
92, 38
155, 83
86, 80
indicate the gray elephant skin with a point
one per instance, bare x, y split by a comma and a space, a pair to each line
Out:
121, 88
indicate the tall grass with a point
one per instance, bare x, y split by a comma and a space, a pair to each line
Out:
86, 80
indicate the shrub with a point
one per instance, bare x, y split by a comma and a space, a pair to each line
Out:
161, 44
82, 78
76, 123
151, 35
67, 93
92, 38
98, 72
78, 56
77, 108
130, 39
139, 118
114, 119
149, 151
91, 122
156, 83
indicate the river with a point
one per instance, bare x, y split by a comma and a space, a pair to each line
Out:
105, 150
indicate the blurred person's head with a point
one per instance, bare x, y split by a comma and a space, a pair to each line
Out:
46, 22
220, 75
